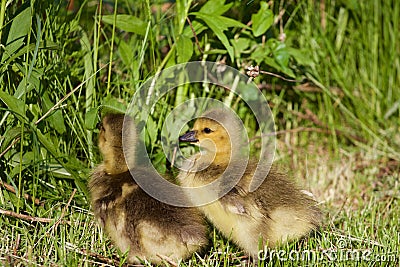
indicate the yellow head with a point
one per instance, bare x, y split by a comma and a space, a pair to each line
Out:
111, 144
216, 133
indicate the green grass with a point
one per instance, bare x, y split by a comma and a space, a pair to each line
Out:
59, 69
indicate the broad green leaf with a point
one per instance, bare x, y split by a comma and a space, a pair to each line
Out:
260, 53
48, 144
159, 162
9, 136
240, 45
272, 63
56, 119
301, 57
14, 104
215, 7
20, 27
33, 81
288, 71
223, 22
218, 27
91, 118
262, 20
228, 22
23, 88
126, 53
27, 159
197, 27
152, 131
184, 49
282, 57
112, 104
126, 23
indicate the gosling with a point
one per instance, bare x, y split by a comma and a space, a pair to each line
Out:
277, 211
133, 220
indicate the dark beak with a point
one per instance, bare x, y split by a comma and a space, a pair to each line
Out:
189, 137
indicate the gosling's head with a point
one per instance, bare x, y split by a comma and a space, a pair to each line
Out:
112, 144
216, 132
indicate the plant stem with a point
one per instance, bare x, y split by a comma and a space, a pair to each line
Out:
112, 47
2, 15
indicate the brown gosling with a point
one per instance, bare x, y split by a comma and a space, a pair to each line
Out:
133, 220
275, 212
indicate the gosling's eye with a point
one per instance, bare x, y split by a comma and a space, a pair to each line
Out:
99, 126
207, 130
